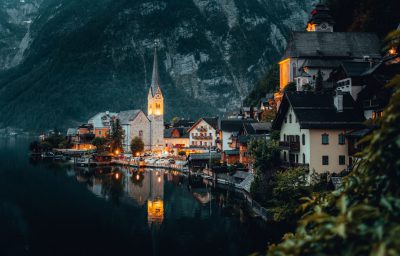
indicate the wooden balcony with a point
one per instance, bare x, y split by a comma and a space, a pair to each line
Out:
292, 146
202, 137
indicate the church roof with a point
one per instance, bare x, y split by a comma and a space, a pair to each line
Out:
155, 78
127, 116
333, 45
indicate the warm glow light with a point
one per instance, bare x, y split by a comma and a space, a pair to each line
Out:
137, 177
159, 179
137, 154
117, 152
393, 51
117, 175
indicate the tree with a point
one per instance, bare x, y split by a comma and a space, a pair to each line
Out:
267, 84
266, 156
137, 146
363, 217
117, 136
100, 144
319, 82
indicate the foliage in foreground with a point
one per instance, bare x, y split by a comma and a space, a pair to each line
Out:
137, 146
362, 218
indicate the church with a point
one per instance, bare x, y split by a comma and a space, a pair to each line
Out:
135, 123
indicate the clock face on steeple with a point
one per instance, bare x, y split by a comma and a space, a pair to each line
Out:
158, 96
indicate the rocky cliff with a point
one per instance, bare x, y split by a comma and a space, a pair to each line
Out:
62, 61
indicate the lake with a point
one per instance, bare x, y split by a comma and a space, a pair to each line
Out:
50, 208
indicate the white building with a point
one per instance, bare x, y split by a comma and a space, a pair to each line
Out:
204, 132
313, 127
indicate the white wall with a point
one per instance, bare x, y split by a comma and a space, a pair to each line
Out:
194, 131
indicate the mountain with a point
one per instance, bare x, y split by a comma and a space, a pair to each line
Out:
70, 59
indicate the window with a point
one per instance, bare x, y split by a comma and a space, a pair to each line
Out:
284, 137
99, 132
210, 134
193, 143
290, 118
284, 156
285, 119
341, 139
297, 159
201, 143
304, 158
140, 134
342, 160
205, 143
303, 139
325, 160
325, 139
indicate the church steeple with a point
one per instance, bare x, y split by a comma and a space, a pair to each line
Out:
155, 99
155, 78
321, 19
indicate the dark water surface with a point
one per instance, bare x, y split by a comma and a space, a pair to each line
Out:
49, 208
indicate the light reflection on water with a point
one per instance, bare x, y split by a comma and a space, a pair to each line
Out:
49, 208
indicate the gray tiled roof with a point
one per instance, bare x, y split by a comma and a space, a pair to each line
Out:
333, 44
317, 110
127, 116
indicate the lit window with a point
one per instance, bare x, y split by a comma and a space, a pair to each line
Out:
325, 139
325, 160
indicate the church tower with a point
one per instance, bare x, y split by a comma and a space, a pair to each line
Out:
155, 108
321, 19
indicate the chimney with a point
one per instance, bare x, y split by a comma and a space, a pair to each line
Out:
338, 101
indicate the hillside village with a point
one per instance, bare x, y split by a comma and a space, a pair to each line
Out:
331, 95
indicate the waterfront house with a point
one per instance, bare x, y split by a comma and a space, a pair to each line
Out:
203, 134
313, 128
176, 139
227, 129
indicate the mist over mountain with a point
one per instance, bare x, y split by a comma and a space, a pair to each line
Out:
63, 61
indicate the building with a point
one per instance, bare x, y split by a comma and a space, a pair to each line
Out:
135, 124
313, 128
101, 123
227, 129
155, 109
203, 134
313, 54
176, 139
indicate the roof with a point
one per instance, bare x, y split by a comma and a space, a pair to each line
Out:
233, 125
317, 110
127, 116
183, 132
333, 44
71, 131
184, 123
212, 121
232, 152
261, 127
321, 63
204, 156
355, 68
241, 175
155, 78
359, 133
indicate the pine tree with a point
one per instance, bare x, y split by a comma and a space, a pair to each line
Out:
117, 136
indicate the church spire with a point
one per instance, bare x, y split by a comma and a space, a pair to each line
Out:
155, 78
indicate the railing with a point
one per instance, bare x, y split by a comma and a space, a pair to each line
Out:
202, 137
200, 129
293, 146
293, 164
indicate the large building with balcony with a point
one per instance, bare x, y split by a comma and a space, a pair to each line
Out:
313, 128
203, 134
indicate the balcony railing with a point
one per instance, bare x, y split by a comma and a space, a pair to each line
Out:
293, 146
201, 129
202, 137
293, 164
